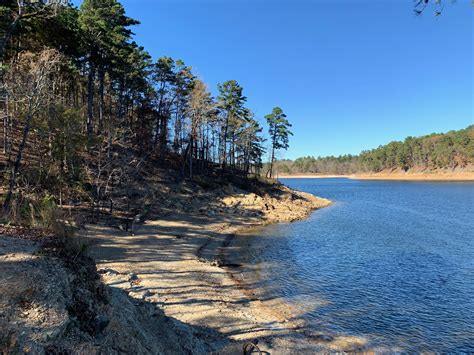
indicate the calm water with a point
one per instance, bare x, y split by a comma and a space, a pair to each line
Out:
390, 261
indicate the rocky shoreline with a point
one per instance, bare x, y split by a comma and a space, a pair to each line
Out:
185, 268
169, 283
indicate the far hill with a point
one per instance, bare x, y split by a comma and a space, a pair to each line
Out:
448, 152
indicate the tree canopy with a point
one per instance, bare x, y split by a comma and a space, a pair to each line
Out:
279, 130
452, 150
109, 106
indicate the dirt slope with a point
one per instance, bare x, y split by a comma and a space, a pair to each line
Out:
47, 306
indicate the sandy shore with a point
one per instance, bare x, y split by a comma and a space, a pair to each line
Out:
438, 176
182, 263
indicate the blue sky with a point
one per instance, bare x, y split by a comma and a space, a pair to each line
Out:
350, 75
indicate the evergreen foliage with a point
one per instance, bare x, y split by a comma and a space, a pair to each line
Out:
451, 150
105, 106
279, 130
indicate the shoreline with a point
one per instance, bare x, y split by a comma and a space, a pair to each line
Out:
184, 264
465, 176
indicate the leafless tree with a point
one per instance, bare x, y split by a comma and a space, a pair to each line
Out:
28, 84
19, 11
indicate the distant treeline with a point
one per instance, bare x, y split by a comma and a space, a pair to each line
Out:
451, 150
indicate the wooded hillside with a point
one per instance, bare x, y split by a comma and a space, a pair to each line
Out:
452, 150
84, 108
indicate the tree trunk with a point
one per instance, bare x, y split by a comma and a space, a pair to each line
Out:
224, 148
271, 163
6, 125
5, 132
3, 95
163, 135
184, 159
177, 132
90, 100
16, 166
191, 143
101, 97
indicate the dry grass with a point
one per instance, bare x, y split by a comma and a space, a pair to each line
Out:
44, 218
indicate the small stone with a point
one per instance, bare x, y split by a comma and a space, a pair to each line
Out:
132, 277
108, 271
148, 293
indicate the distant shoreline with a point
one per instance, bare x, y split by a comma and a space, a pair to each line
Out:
311, 176
437, 176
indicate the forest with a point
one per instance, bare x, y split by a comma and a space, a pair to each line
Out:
84, 108
86, 112
452, 150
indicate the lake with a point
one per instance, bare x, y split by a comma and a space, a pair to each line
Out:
390, 261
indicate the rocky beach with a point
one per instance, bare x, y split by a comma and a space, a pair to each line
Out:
172, 279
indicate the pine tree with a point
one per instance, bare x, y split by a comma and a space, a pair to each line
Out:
105, 31
107, 95
279, 130
231, 103
201, 110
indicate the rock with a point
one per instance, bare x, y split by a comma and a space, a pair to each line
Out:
132, 277
148, 293
108, 272
216, 262
144, 295
321, 337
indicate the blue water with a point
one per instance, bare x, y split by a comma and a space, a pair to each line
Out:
390, 261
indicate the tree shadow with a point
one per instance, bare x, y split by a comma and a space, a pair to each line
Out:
171, 261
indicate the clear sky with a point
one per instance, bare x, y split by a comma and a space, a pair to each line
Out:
350, 74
